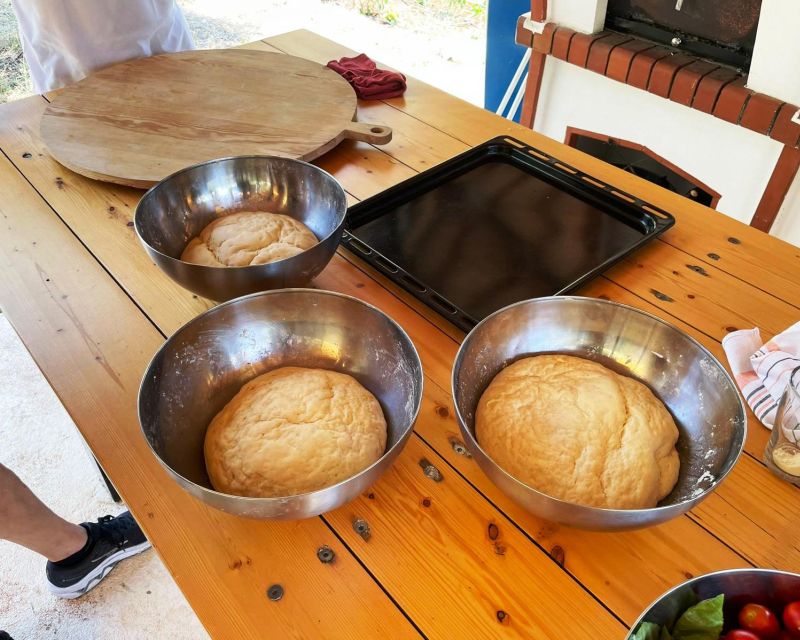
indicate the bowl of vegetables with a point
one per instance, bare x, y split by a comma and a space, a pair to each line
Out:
738, 604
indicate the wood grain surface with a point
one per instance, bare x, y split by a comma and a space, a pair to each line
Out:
137, 122
93, 345
450, 559
95, 221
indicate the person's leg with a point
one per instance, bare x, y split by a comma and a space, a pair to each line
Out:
79, 555
25, 520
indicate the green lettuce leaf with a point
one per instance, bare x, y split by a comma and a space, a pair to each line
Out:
647, 631
703, 621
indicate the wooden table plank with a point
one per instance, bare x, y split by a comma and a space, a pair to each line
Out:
757, 513
727, 530
100, 213
94, 224
593, 558
414, 143
600, 287
709, 299
670, 552
771, 265
760, 552
92, 343
555, 588
776, 493
721, 244
716, 314
21, 139
431, 547
437, 360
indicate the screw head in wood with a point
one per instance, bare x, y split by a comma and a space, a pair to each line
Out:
275, 592
361, 527
430, 470
460, 448
325, 554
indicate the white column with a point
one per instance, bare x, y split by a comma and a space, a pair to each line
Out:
787, 224
585, 16
774, 69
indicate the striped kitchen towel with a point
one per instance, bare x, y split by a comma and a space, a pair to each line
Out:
762, 370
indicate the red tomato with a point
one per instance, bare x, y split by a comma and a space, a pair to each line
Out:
740, 634
759, 620
791, 618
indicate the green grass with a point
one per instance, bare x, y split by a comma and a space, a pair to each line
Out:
458, 13
14, 79
378, 9
468, 6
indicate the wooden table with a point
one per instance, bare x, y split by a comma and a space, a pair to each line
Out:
450, 559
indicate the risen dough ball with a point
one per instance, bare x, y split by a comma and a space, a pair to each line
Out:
294, 430
249, 237
577, 431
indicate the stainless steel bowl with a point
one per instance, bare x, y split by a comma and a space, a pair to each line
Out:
694, 386
202, 366
740, 586
178, 208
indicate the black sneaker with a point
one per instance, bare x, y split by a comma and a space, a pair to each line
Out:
110, 540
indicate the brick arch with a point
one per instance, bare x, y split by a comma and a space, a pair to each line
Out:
572, 134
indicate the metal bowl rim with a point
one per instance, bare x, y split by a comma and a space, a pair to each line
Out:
285, 261
598, 510
280, 499
691, 581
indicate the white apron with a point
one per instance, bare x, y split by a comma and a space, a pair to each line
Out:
65, 40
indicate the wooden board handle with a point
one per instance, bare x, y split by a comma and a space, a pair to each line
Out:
372, 133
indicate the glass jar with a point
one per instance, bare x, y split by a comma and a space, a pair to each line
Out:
782, 454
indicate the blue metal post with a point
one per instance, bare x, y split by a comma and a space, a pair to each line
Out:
503, 55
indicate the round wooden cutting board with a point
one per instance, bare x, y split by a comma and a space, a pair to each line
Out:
137, 122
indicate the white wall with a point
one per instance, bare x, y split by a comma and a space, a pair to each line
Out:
586, 16
787, 224
776, 55
730, 159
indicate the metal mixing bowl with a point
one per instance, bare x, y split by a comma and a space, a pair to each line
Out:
740, 586
205, 363
691, 382
178, 208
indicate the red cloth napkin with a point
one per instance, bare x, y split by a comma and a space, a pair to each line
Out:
369, 82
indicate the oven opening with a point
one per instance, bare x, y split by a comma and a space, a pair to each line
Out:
641, 161
724, 32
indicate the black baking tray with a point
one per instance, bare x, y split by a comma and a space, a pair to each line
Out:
500, 223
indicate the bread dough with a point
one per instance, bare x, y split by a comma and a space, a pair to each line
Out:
294, 430
579, 432
249, 237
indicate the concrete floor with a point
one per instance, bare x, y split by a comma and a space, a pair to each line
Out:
41, 444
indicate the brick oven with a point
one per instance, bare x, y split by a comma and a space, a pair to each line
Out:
700, 97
